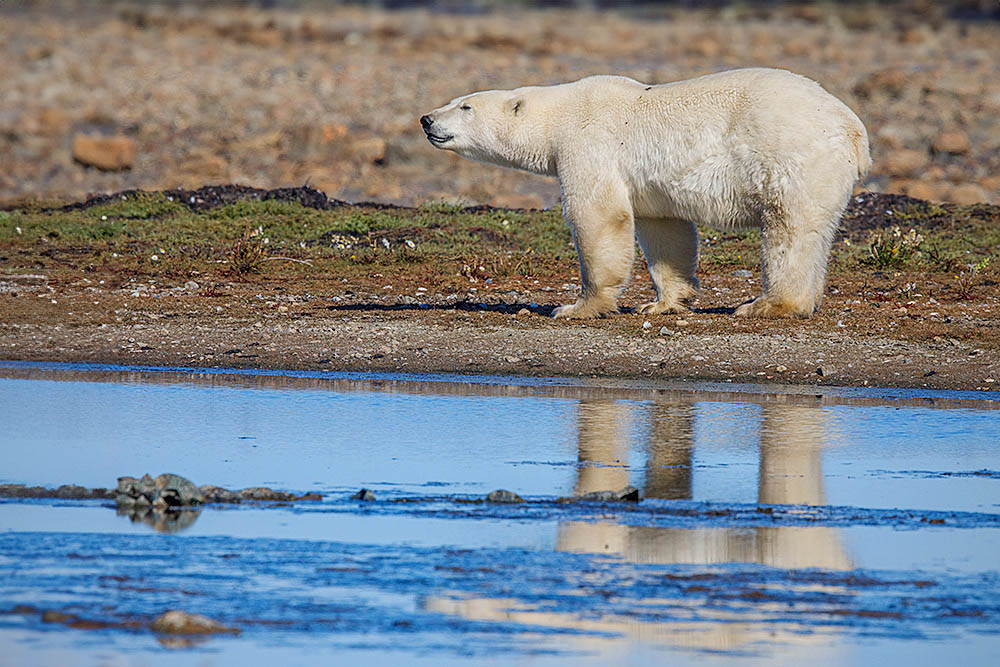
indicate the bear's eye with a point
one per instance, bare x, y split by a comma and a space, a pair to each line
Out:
465, 107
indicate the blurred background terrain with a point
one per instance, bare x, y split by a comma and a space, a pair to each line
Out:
105, 96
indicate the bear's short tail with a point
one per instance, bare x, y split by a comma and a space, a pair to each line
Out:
859, 140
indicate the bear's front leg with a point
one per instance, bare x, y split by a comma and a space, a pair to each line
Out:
604, 232
671, 249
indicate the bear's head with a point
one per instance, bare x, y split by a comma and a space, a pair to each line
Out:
491, 127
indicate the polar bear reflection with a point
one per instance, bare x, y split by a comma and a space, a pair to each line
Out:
790, 473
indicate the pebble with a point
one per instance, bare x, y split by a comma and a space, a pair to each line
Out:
742, 273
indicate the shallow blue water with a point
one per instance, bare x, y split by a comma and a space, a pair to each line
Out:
845, 527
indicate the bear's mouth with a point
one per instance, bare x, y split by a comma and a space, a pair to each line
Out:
438, 139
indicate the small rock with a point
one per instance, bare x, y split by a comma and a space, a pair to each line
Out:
516, 201
175, 622
628, 494
217, 494
264, 493
72, 491
780, 368
923, 190
905, 162
191, 286
890, 82
647, 325
407, 300
742, 273
503, 496
365, 495
665, 331
951, 141
967, 194
820, 371
368, 150
681, 323
107, 153
55, 617
524, 311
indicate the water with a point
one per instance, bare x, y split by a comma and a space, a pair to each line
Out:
839, 527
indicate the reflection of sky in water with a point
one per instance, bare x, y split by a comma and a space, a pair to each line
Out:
90, 433
872, 456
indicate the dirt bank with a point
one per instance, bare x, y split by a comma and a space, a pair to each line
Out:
141, 278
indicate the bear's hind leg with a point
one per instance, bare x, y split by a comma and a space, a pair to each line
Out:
604, 233
794, 260
671, 249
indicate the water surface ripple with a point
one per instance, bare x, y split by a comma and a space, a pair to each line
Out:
831, 526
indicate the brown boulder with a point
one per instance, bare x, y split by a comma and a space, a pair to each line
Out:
951, 141
370, 150
967, 193
890, 82
922, 190
107, 153
905, 162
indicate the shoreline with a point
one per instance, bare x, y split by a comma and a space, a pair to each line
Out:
487, 343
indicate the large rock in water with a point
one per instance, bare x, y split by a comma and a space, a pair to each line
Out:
174, 490
165, 491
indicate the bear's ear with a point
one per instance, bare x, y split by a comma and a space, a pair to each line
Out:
516, 105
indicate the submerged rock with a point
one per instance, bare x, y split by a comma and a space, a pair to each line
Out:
628, 494
364, 494
176, 622
264, 493
503, 496
217, 494
66, 491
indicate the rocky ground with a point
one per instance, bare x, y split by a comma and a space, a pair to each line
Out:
143, 279
103, 96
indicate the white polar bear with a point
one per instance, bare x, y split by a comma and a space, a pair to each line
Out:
748, 147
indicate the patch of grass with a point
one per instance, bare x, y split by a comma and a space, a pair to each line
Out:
740, 249
893, 249
143, 206
248, 253
969, 276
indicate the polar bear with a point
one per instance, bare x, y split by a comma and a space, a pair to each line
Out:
742, 148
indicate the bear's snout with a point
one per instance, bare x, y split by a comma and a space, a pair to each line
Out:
426, 122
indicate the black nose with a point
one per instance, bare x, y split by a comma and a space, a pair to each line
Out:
426, 121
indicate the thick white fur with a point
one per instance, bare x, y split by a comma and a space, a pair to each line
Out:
743, 148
